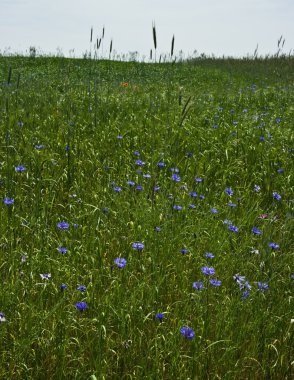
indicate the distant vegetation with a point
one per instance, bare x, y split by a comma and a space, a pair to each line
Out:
146, 219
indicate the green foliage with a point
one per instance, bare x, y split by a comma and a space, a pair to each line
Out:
75, 125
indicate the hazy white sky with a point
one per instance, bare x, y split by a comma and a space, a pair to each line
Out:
230, 27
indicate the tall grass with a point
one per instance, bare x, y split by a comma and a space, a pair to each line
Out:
99, 154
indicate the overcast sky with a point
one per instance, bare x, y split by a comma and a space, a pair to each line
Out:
230, 27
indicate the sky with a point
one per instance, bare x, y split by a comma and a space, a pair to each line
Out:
219, 27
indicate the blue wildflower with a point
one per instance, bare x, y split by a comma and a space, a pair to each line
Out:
138, 246
140, 162
209, 255
193, 194
177, 207
131, 183
20, 168
208, 271
176, 178
187, 332
62, 250
233, 228
256, 231
213, 210
215, 282
63, 286
262, 286
274, 246
159, 316
229, 191
81, 306
45, 276
120, 262
63, 225
198, 285
8, 201
161, 165
81, 288
277, 196
117, 189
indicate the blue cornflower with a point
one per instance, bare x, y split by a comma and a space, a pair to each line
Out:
140, 162
147, 175
161, 165
81, 306
198, 285
120, 262
229, 191
192, 206
208, 271
157, 229
278, 119
292, 276
63, 286
20, 168
159, 316
177, 207
62, 249
274, 246
227, 221
256, 188
245, 295
256, 231
209, 255
8, 201
187, 332
176, 178
215, 282
45, 276
198, 180
175, 170
261, 138
63, 225
131, 183
139, 187
75, 225
213, 210
67, 148
156, 188
39, 146
189, 154
183, 251
81, 288
239, 279
138, 246
201, 196
232, 204
117, 189
136, 153
276, 196
233, 228
119, 137
2, 317
193, 194
262, 286
280, 170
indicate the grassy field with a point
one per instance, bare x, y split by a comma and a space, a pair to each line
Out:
146, 219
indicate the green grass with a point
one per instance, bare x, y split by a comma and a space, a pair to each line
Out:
216, 109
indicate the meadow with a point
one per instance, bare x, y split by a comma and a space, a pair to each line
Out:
146, 219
